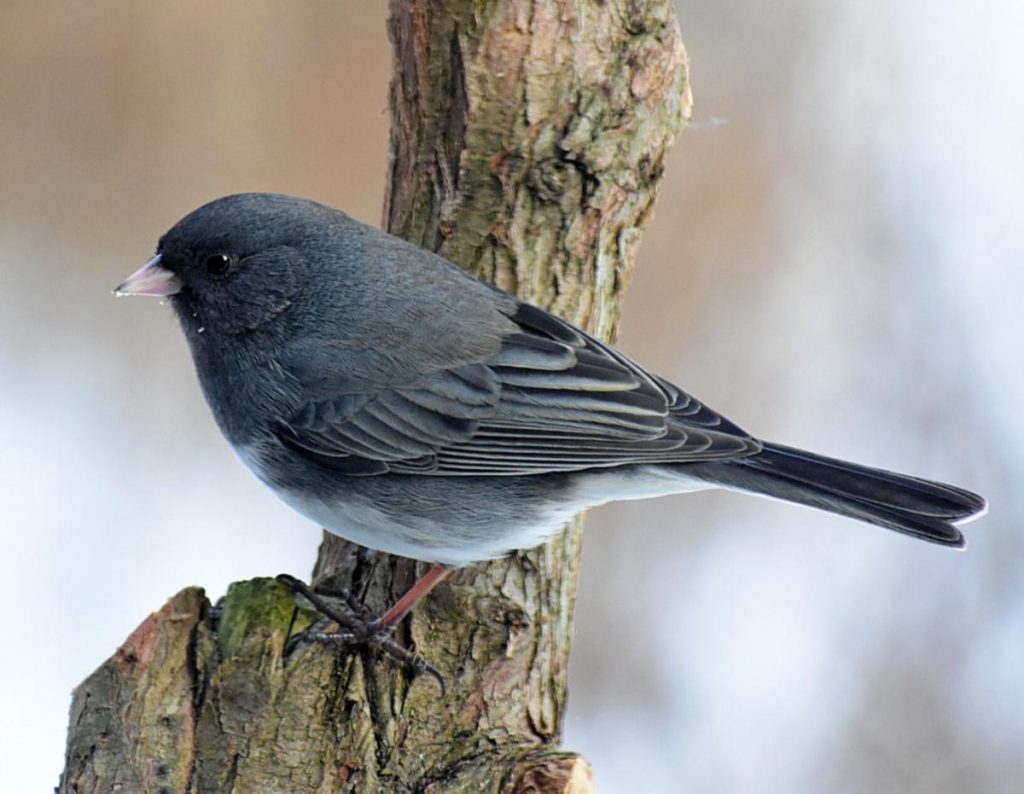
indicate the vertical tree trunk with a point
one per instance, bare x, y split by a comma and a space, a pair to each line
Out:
527, 142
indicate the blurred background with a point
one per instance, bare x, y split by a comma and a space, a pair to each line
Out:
835, 263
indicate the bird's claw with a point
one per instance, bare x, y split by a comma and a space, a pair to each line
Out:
355, 630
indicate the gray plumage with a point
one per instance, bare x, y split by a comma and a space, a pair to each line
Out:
404, 405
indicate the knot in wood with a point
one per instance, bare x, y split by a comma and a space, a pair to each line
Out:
552, 177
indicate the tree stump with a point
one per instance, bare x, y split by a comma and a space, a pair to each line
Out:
527, 143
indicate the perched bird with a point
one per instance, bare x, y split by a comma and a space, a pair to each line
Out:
402, 404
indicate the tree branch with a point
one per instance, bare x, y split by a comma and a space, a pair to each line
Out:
527, 143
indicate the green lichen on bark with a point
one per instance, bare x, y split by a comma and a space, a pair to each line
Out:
256, 605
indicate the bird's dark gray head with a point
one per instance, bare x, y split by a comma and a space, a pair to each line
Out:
241, 259
237, 263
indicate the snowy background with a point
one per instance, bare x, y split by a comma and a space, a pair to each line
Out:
836, 263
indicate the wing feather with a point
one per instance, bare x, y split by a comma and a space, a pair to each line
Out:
551, 399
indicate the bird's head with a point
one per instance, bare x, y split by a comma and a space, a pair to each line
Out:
233, 265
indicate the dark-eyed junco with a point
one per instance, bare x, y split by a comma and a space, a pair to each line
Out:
404, 405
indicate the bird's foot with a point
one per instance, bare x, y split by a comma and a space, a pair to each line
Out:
356, 630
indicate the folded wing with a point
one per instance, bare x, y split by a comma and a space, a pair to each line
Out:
552, 399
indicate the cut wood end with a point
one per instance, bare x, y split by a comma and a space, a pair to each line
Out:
580, 780
186, 606
561, 773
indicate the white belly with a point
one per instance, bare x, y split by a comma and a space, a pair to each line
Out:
435, 521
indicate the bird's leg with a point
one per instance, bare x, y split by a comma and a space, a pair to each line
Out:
357, 629
404, 605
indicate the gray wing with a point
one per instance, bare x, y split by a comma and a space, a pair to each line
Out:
552, 399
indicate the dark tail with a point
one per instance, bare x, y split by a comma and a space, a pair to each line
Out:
922, 508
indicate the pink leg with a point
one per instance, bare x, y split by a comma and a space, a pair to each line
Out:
404, 605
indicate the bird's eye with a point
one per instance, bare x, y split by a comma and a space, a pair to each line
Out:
217, 264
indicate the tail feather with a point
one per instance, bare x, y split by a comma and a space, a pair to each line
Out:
921, 508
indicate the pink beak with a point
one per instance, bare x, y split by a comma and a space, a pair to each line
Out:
150, 279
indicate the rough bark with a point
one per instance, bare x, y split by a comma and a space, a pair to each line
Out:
527, 144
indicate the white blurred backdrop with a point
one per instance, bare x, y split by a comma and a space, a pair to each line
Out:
836, 263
